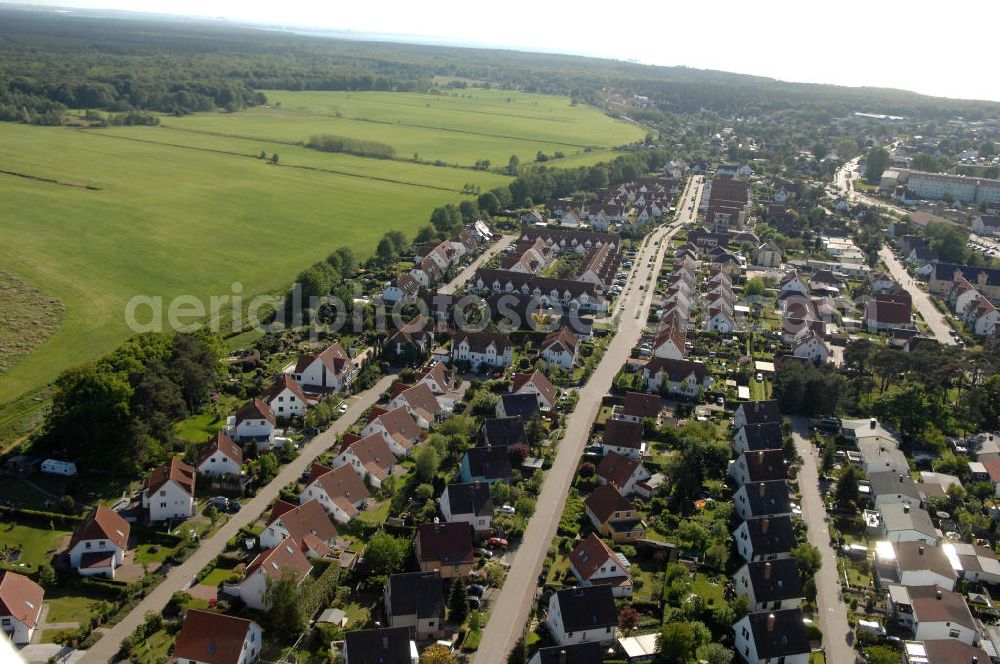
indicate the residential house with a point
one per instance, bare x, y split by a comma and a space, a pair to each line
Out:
914, 564
768, 255
624, 474
492, 349
765, 539
933, 612
756, 412
677, 377
880, 454
468, 503
220, 457
524, 405
759, 466
974, 563
398, 428
386, 645
582, 614
792, 282
772, 637
614, 516
888, 312
623, 437
538, 384
593, 563
446, 548
411, 339
370, 457
590, 652
810, 346
255, 422
892, 487
902, 523
762, 499
168, 492
486, 464
439, 378
419, 401
285, 398
754, 437
98, 544
943, 651
20, 606
307, 524
339, 490
404, 288
770, 585
986, 224
272, 563
330, 370
208, 637
638, 406
560, 349
414, 600
505, 431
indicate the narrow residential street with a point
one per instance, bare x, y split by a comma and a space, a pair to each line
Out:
511, 609
838, 639
182, 576
471, 268
921, 301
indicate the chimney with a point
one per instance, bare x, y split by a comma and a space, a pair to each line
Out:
767, 570
901, 478
874, 423
764, 524
761, 489
906, 508
563, 657
920, 549
770, 622
939, 595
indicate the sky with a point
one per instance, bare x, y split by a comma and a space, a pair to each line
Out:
941, 49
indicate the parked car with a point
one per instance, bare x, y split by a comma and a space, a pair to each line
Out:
485, 553
343, 408
507, 509
474, 602
496, 542
219, 502
475, 589
233, 506
720, 401
760, 377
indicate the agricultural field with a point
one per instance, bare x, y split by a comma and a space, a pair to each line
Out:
187, 208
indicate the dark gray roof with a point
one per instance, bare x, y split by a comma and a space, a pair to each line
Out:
471, 498
787, 635
504, 431
388, 645
489, 462
757, 412
592, 607
415, 593
773, 499
623, 433
763, 436
771, 535
524, 406
775, 580
946, 272
889, 483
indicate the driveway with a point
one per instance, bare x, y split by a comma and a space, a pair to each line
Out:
471, 268
838, 639
182, 576
512, 606
921, 301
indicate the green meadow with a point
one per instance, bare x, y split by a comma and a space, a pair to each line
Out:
187, 208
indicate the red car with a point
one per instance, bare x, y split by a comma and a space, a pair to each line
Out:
496, 542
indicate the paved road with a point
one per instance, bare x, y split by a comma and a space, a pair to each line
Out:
838, 638
470, 270
935, 320
513, 606
181, 577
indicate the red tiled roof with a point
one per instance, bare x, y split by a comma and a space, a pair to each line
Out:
343, 482
255, 409
333, 357
221, 443
641, 405
175, 471
590, 554
213, 638
616, 469
20, 598
102, 523
561, 336
308, 524
542, 384
282, 382
287, 555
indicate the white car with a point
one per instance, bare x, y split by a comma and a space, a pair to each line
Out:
343, 408
508, 509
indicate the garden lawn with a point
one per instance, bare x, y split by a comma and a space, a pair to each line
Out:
76, 605
712, 592
216, 576
37, 544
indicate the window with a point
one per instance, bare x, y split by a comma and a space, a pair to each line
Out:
6, 621
86, 545
163, 504
954, 633
163, 493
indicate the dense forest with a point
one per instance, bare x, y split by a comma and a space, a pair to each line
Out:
50, 62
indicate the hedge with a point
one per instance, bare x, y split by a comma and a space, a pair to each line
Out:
39, 517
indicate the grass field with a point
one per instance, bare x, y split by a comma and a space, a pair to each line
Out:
37, 544
187, 208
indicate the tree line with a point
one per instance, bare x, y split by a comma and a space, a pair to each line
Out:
355, 146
